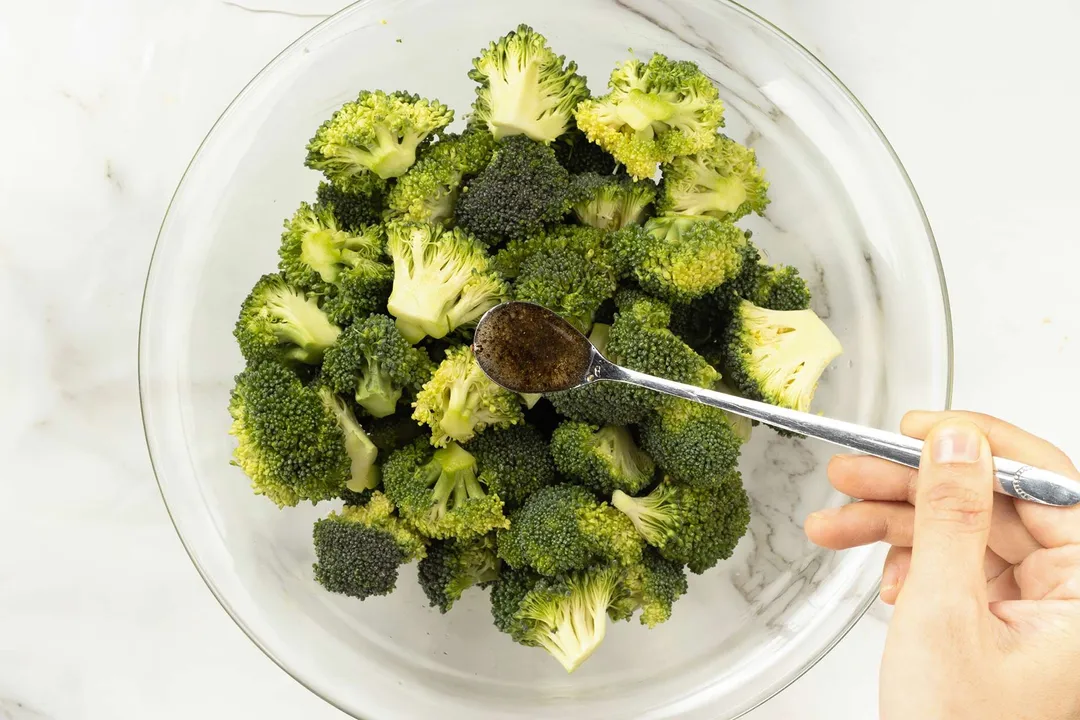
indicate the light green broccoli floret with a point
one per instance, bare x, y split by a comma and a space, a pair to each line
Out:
279, 322
315, 251
611, 202
723, 181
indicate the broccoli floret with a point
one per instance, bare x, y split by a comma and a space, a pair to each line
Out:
460, 401
522, 190
652, 586
694, 526
588, 242
567, 282
641, 340
279, 322
525, 88
575, 153
315, 251
603, 403
774, 287
514, 462
374, 362
453, 566
611, 202
778, 356
360, 549
604, 459
376, 134
722, 180
655, 112
353, 210
694, 443
429, 191
289, 442
439, 491
360, 291
442, 280
562, 528
567, 616
680, 258
364, 474
391, 433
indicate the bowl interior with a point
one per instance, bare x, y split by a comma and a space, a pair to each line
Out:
842, 211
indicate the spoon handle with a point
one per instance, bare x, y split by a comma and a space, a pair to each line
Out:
1012, 478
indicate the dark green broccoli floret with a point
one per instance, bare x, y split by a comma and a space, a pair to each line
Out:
442, 280
722, 180
360, 549
680, 258
391, 433
611, 202
652, 586
604, 403
566, 281
588, 242
315, 251
376, 364
655, 112
564, 527
696, 526
604, 459
640, 338
778, 356
460, 400
296, 442
453, 566
439, 491
522, 190
694, 443
575, 153
525, 88
360, 291
377, 135
567, 616
429, 191
514, 462
352, 210
279, 322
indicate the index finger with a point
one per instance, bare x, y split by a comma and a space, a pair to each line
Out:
1050, 526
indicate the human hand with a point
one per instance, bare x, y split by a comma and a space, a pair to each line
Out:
986, 588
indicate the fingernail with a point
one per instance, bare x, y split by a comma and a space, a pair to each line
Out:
825, 513
959, 443
890, 578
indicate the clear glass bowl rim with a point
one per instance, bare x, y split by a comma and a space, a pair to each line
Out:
768, 26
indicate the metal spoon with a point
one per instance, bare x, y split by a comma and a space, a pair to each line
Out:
529, 349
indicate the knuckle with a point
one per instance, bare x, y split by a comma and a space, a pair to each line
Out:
956, 504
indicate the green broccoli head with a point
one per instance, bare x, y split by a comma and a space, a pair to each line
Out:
566, 616
429, 191
566, 281
315, 251
360, 549
575, 153
778, 356
603, 459
364, 474
279, 322
604, 403
453, 566
695, 526
439, 492
360, 291
442, 280
376, 364
655, 112
353, 210
694, 443
774, 287
562, 528
680, 258
522, 190
525, 88
376, 134
514, 462
587, 242
652, 586
460, 401
641, 340
611, 202
722, 181
289, 443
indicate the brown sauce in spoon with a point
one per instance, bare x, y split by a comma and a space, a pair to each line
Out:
529, 349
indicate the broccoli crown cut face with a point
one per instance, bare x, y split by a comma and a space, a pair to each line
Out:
611, 202
525, 88
722, 181
279, 322
315, 251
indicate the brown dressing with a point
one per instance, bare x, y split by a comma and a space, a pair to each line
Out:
529, 349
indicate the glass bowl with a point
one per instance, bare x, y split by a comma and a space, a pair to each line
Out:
843, 211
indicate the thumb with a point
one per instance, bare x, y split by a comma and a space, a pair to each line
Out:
954, 501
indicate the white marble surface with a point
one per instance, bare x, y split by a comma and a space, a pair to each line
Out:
104, 101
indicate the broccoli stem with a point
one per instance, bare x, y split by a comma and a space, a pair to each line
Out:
305, 325
652, 515
457, 420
